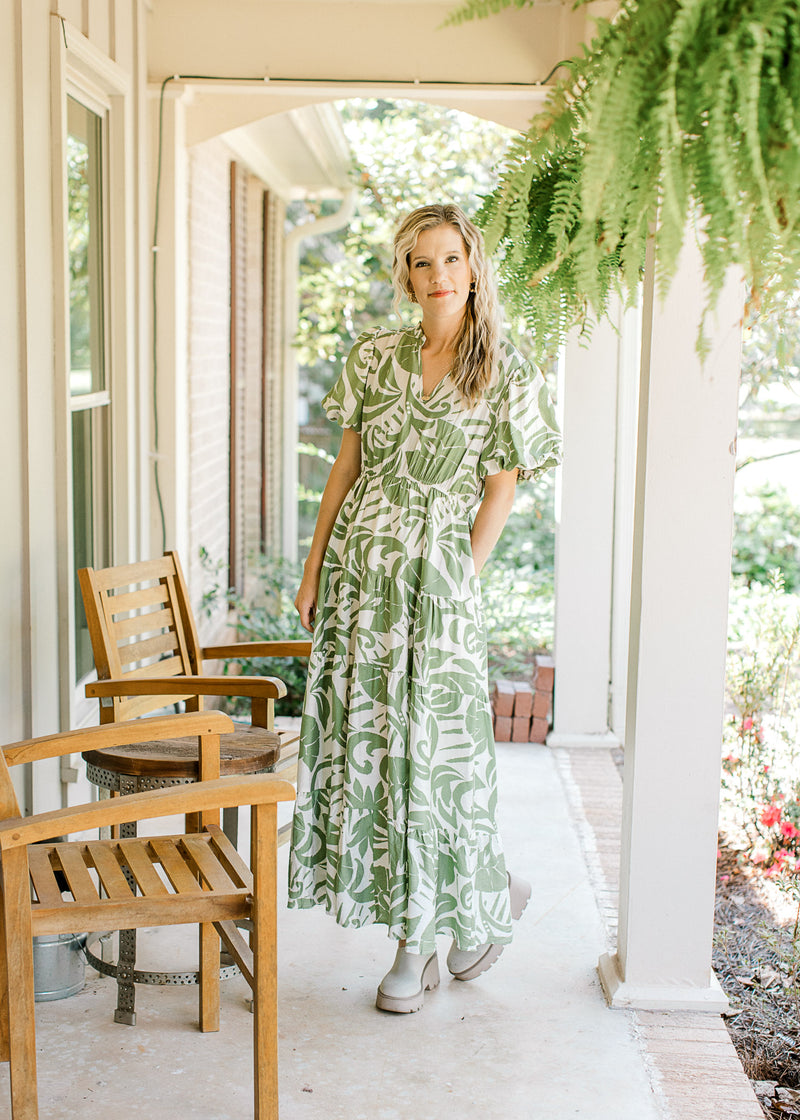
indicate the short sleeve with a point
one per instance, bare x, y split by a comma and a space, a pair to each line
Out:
343, 404
523, 432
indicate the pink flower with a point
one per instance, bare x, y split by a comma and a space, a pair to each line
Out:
771, 815
724, 878
758, 857
789, 830
747, 724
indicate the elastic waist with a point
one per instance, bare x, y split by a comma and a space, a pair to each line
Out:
387, 479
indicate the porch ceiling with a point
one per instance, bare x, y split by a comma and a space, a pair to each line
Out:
328, 42
300, 153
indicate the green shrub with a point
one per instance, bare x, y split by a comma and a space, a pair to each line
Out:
767, 536
517, 583
266, 614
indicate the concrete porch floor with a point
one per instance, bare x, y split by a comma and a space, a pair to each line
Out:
530, 1040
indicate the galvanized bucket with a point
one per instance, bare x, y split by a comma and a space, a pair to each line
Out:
59, 965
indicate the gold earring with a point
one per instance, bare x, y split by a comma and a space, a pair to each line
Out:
411, 296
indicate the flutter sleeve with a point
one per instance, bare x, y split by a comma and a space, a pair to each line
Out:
343, 404
523, 432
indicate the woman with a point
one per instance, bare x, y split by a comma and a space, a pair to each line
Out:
396, 798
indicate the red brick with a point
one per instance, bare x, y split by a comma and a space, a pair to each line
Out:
521, 728
538, 731
542, 702
544, 672
523, 699
502, 729
503, 698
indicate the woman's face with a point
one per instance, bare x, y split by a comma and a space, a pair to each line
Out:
439, 274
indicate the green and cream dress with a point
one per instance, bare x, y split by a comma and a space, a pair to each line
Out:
396, 791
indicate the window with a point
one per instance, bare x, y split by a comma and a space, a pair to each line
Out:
89, 397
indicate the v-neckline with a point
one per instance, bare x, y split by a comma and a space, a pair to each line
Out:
421, 394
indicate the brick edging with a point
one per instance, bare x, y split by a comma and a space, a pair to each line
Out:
694, 1070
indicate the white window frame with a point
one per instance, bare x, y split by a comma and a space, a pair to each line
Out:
81, 71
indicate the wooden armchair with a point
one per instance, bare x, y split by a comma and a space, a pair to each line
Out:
208, 884
147, 654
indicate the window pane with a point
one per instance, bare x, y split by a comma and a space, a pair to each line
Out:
91, 514
85, 248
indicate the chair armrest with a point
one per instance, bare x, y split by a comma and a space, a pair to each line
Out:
221, 793
298, 648
267, 688
117, 735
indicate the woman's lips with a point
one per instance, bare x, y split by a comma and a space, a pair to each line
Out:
437, 295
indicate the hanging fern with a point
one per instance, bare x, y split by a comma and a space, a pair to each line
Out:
677, 108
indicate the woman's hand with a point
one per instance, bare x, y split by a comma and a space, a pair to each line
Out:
306, 600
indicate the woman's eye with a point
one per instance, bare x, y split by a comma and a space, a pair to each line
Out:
420, 264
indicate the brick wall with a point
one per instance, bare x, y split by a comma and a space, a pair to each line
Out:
522, 711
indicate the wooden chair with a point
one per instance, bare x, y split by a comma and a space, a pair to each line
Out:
147, 655
207, 881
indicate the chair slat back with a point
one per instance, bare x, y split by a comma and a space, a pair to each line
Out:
140, 625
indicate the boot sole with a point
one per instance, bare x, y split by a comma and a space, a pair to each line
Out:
519, 894
481, 965
404, 1005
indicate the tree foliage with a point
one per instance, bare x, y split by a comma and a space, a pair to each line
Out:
677, 108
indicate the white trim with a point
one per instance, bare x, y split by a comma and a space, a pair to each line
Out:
667, 997
248, 152
79, 70
84, 59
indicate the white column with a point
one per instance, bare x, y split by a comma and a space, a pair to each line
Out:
584, 541
679, 597
171, 369
625, 486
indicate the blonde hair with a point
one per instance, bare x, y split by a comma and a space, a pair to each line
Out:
478, 343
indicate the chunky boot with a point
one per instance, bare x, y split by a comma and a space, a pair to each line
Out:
404, 986
466, 964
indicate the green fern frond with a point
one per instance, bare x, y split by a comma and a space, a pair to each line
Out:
481, 9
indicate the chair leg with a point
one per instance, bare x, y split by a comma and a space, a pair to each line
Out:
4, 1048
125, 1012
18, 962
209, 977
265, 987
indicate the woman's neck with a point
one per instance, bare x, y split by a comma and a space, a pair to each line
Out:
441, 338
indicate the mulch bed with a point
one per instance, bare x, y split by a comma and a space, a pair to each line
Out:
753, 962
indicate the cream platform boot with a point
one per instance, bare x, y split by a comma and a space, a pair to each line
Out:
466, 964
404, 986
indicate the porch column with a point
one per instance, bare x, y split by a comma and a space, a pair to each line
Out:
585, 540
676, 662
170, 495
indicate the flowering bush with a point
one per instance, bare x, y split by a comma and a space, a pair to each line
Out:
760, 773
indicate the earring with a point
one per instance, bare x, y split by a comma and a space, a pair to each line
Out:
412, 297
472, 286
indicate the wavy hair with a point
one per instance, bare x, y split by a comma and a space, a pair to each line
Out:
478, 342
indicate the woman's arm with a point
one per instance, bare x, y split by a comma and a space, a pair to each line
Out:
344, 472
498, 498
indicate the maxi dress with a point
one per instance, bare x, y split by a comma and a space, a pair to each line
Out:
396, 793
